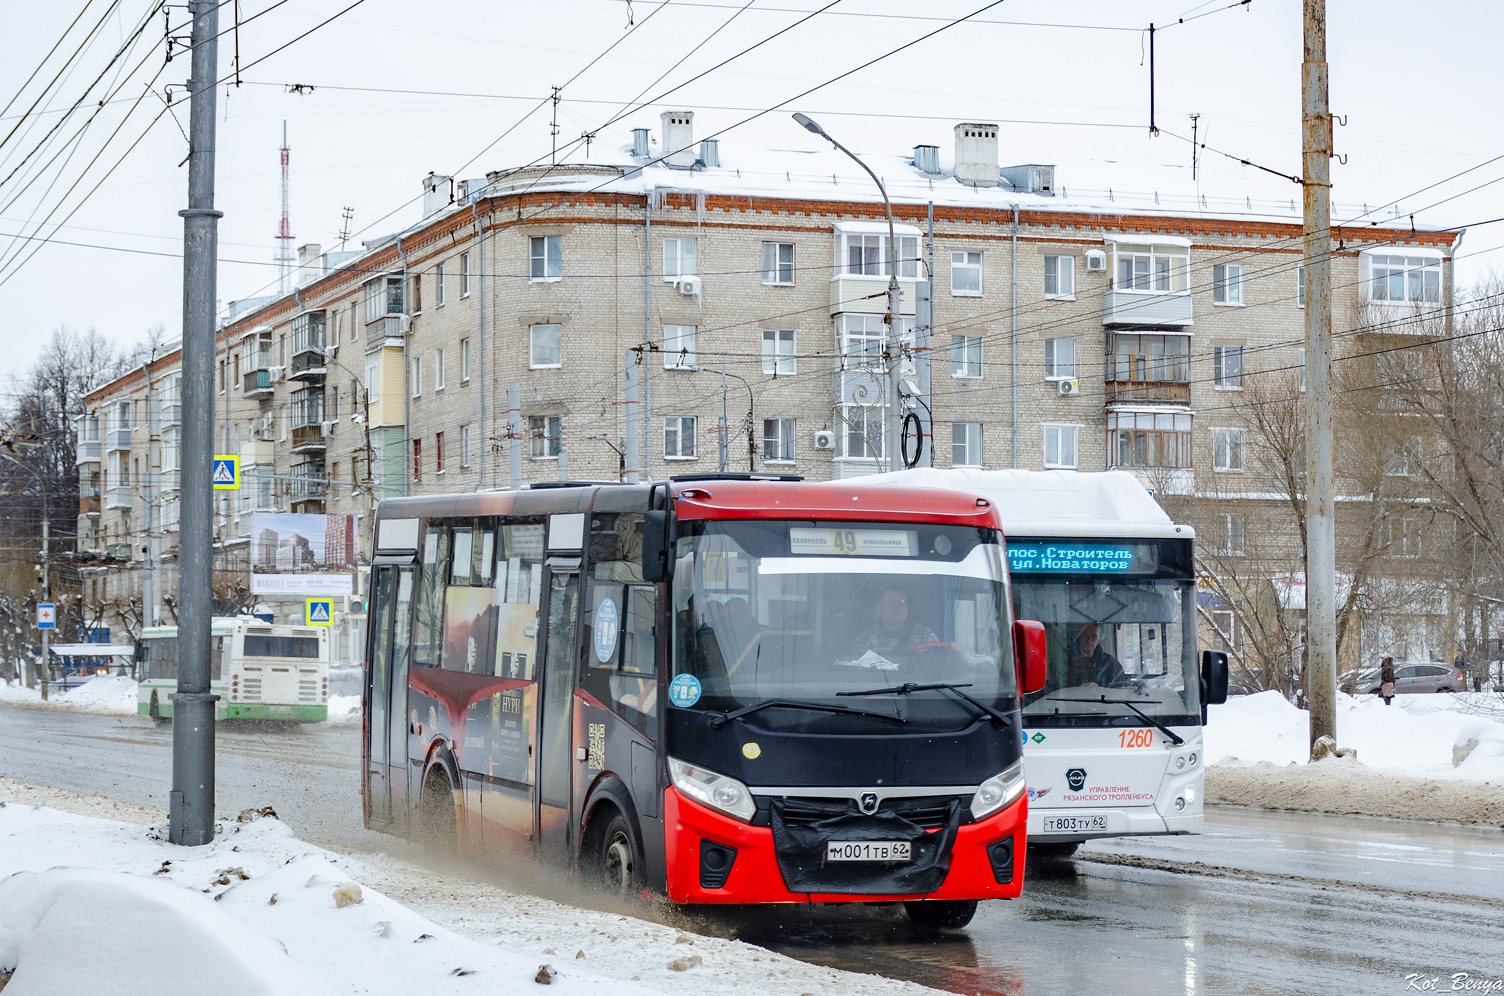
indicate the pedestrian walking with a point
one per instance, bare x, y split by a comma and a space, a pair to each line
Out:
1386, 680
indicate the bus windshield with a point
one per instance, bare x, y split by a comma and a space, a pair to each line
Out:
836, 614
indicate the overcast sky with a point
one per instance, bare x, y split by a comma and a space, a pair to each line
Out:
1419, 87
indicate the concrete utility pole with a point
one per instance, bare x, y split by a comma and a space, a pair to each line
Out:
191, 805
47, 593
631, 471
1321, 552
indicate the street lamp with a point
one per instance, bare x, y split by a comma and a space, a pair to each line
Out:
891, 423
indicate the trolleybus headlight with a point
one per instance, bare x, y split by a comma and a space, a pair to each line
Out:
998, 791
716, 791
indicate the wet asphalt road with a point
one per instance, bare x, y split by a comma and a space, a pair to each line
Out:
1273, 903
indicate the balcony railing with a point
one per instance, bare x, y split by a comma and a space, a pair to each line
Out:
118, 551
118, 439
307, 438
88, 504
118, 496
1160, 392
257, 384
87, 452
384, 331
1146, 308
172, 414
307, 365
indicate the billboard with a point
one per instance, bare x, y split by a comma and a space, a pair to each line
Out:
300, 554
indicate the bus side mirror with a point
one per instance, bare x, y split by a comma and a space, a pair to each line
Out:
657, 535
1030, 652
1213, 677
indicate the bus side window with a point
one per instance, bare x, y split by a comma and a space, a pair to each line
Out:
620, 658
428, 629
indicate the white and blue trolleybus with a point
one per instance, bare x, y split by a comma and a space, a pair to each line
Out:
1113, 742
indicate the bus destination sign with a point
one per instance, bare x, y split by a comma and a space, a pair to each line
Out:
1074, 557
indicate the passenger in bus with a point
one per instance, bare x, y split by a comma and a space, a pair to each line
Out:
1092, 666
892, 629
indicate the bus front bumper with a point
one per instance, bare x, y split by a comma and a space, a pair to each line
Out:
755, 876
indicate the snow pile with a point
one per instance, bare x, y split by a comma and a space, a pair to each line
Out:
344, 709
109, 695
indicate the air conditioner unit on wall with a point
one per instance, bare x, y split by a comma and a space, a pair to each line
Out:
825, 439
1096, 259
1068, 387
689, 286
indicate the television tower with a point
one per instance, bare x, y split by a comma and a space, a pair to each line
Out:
284, 230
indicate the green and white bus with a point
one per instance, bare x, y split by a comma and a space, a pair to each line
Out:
259, 671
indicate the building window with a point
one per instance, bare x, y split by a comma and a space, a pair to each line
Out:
546, 350
679, 347
417, 459
416, 301
1227, 283
1059, 359
545, 432
1149, 439
373, 379
1300, 286
1405, 461
778, 440
1060, 276
1227, 451
383, 297
1227, 367
679, 259
438, 287
438, 370
221, 376
679, 437
464, 274
866, 255
778, 352
861, 432
1230, 534
416, 373
464, 446
464, 360
966, 444
1302, 352
1405, 279
1151, 269
966, 274
438, 453
966, 356
860, 337
1151, 359
547, 257
1402, 536
1060, 447
777, 262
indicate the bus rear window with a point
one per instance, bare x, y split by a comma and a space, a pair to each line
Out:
306, 647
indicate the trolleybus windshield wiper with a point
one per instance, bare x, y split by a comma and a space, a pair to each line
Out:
720, 719
955, 690
1174, 738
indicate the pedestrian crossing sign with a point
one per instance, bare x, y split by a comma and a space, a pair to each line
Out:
226, 474
318, 612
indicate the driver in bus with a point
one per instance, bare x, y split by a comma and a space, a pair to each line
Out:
892, 629
1092, 666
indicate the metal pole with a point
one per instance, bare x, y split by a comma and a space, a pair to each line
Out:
924, 327
514, 433
725, 456
1013, 333
480, 346
191, 805
630, 470
1321, 559
46, 593
647, 332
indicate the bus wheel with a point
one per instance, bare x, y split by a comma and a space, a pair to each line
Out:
437, 828
616, 858
1053, 852
941, 914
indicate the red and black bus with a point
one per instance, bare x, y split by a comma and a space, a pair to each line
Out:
718, 690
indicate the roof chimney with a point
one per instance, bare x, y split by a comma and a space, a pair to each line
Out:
640, 143
927, 158
678, 138
976, 154
710, 153
310, 267
436, 194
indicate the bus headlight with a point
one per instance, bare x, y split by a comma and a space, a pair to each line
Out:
998, 791
716, 791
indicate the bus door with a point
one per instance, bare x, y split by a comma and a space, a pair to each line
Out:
561, 610
386, 691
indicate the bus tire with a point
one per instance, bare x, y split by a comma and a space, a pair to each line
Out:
941, 914
438, 829
1053, 852
615, 864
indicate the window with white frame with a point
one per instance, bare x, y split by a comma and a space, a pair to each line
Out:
778, 262
546, 257
966, 444
464, 446
860, 432
373, 378
1151, 269
1402, 535
1405, 460
1150, 358
860, 338
966, 356
545, 433
865, 254
679, 259
1227, 283
1224, 621
1060, 276
1227, 367
1300, 286
679, 437
464, 360
1060, 446
778, 440
1149, 439
778, 352
546, 347
438, 289
383, 297
1302, 352
1230, 534
966, 274
1059, 359
1227, 451
438, 370
415, 373
679, 347
464, 274
1403, 279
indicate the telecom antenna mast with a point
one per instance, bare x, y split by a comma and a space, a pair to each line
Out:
284, 230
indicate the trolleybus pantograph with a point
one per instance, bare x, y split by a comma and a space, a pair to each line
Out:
719, 690
258, 669
1113, 741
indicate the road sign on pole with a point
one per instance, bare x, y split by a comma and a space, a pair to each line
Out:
318, 612
46, 615
226, 475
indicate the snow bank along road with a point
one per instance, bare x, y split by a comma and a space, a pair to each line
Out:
1262, 903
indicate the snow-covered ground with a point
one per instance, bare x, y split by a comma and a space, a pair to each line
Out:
111, 695
95, 900
1438, 757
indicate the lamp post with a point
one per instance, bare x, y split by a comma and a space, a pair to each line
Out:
892, 423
